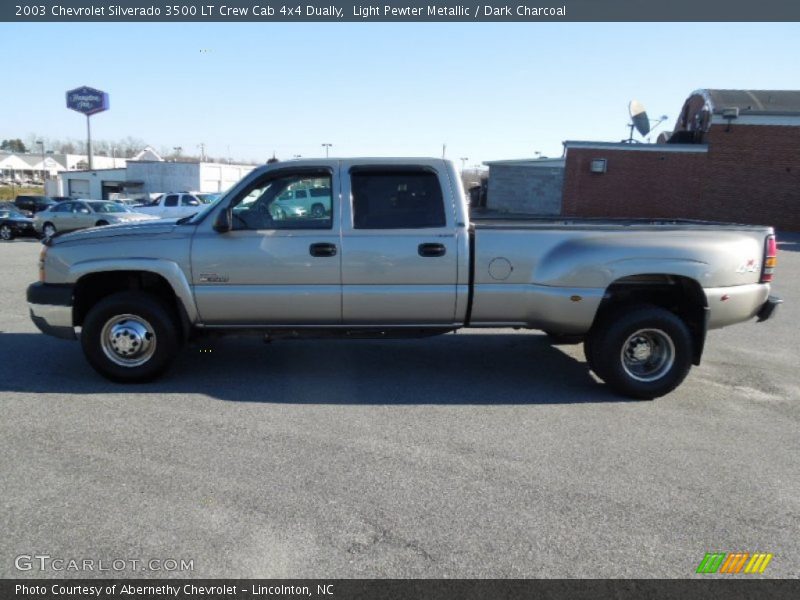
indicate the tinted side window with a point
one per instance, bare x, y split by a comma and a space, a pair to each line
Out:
64, 207
397, 200
171, 200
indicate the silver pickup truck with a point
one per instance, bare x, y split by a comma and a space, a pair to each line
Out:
394, 254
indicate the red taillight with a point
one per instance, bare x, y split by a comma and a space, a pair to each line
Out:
770, 259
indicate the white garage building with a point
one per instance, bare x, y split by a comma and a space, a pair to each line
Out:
143, 178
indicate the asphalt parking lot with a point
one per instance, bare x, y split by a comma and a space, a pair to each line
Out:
481, 454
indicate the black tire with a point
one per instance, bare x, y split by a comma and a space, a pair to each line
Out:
6, 233
317, 211
101, 224
145, 313
642, 352
48, 230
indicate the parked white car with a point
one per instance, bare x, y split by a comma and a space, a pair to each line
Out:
172, 205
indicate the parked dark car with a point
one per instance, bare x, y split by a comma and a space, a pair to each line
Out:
28, 205
14, 224
61, 198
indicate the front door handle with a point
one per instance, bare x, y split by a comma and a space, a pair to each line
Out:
322, 249
431, 250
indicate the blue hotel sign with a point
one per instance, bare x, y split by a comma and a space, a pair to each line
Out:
87, 100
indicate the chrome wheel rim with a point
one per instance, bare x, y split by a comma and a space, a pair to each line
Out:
128, 340
5, 232
647, 355
49, 230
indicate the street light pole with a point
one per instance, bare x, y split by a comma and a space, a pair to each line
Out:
464, 160
327, 147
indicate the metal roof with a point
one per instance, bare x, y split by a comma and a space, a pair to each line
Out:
527, 162
754, 102
625, 147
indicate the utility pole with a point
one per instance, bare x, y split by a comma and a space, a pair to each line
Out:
178, 150
464, 160
44, 176
327, 148
444, 149
202, 147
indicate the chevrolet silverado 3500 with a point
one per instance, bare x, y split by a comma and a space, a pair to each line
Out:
395, 254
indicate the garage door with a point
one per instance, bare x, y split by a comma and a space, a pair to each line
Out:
79, 188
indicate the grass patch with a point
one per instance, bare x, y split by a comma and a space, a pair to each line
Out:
8, 192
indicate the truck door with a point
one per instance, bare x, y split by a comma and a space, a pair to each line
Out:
276, 267
170, 208
399, 246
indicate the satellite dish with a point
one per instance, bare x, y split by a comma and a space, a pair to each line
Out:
639, 118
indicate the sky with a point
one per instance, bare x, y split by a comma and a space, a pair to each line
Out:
488, 91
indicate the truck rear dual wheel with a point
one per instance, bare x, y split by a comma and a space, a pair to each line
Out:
642, 351
130, 337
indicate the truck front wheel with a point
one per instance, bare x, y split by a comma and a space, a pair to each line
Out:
130, 337
642, 352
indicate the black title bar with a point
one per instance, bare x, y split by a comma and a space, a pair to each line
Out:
236, 11
398, 589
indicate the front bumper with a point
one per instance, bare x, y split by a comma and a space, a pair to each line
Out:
51, 309
769, 307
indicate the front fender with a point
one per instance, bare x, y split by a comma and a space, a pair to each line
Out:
167, 269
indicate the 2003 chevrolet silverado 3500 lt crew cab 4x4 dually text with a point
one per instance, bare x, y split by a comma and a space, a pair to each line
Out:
393, 254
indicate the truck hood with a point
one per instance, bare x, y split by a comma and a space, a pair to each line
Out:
138, 228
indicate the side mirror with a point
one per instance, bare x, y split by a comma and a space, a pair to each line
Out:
224, 221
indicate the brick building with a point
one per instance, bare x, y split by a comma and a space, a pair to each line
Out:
734, 156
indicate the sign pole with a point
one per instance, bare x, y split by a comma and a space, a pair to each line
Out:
88, 101
89, 140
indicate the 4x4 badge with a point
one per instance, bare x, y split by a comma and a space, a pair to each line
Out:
213, 278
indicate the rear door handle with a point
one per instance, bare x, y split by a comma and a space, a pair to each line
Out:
431, 250
322, 249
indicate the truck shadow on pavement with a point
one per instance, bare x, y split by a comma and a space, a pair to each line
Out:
466, 369
788, 241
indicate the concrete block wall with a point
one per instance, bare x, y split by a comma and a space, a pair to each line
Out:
523, 189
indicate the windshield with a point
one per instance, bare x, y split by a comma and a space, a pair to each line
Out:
108, 207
